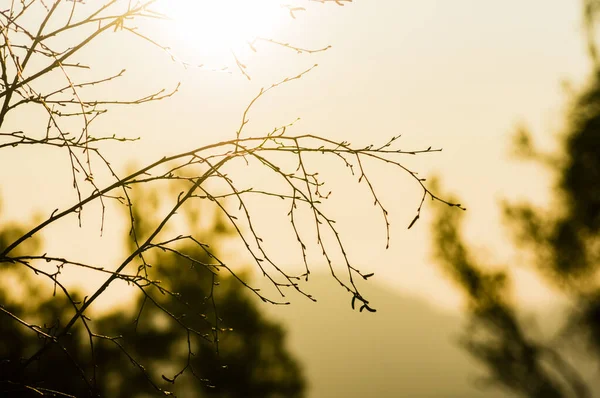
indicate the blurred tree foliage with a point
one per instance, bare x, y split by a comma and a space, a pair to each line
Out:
222, 346
563, 243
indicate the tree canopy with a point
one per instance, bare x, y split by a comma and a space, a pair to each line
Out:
225, 348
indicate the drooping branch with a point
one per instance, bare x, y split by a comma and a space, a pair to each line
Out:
300, 189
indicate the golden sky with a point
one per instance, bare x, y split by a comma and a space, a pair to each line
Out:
455, 74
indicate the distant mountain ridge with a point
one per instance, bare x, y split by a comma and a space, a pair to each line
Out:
406, 349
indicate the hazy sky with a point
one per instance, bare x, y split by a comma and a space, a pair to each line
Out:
455, 74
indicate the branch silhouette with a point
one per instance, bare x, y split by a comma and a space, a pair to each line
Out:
31, 52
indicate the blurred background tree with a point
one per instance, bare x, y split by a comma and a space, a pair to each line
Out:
227, 346
562, 244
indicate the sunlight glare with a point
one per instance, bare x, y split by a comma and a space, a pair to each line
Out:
214, 28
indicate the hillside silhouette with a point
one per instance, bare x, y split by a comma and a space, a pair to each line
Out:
407, 348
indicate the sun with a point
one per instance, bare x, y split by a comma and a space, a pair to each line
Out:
214, 29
